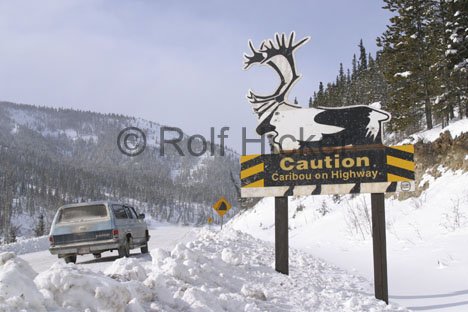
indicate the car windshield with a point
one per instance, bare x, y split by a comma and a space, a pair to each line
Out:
82, 213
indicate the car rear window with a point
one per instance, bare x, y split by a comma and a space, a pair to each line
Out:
82, 213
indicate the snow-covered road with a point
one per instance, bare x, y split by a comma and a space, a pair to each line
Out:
162, 236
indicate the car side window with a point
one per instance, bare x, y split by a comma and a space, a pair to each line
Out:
119, 212
134, 212
129, 213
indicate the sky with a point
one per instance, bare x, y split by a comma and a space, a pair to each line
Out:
178, 63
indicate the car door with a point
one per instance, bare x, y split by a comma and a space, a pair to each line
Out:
132, 225
121, 219
141, 226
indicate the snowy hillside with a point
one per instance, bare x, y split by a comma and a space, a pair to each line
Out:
217, 271
67, 155
426, 235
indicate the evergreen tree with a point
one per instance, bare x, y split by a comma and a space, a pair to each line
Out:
420, 74
456, 39
354, 68
362, 57
320, 99
40, 226
457, 31
407, 56
341, 75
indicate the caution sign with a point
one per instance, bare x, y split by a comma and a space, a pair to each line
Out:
340, 170
222, 206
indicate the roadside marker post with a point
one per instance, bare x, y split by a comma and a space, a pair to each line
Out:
222, 206
379, 246
281, 235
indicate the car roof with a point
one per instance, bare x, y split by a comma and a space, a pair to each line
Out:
92, 203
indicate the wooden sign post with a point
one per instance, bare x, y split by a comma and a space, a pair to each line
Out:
379, 246
281, 235
320, 151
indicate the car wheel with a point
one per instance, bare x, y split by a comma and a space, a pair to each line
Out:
97, 256
144, 249
70, 259
124, 250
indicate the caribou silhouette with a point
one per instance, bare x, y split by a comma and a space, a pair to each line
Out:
291, 127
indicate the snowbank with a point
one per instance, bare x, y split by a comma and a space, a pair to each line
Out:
27, 245
17, 291
425, 236
126, 269
455, 129
73, 287
218, 271
231, 271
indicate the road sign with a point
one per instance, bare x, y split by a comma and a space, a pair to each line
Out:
341, 170
320, 150
291, 127
222, 206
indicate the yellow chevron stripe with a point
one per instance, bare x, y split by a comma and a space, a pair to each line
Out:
395, 178
400, 163
246, 158
259, 183
409, 148
252, 170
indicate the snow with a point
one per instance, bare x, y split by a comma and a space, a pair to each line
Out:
206, 275
450, 51
426, 238
376, 105
405, 74
37, 121
70, 286
27, 245
126, 269
24, 118
17, 289
455, 129
215, 271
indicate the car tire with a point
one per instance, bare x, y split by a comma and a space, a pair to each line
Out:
70, 259
144, 249
124, 250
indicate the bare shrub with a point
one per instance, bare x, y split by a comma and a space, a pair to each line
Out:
454, 217
358, 218
323, 209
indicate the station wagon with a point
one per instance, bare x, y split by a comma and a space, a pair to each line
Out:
96, 227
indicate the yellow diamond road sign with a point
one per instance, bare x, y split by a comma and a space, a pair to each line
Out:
222, 206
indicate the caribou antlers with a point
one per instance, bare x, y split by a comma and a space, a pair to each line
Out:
278, 55
268, 49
